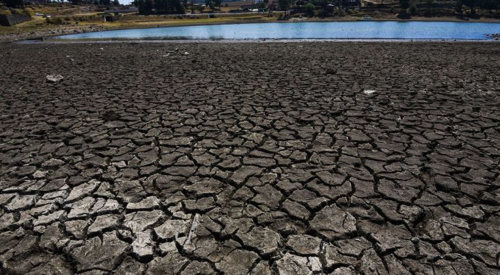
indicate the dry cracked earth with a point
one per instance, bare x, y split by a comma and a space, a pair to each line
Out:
258, 158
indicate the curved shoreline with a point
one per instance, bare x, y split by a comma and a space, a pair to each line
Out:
256, 41
49, 33
414, 31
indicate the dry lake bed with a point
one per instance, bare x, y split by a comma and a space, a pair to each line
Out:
250, 158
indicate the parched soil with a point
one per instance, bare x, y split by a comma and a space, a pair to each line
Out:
250, 158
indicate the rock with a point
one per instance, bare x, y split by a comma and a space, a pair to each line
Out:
55, 266
304, 244
172, 229
372, 264
240, 175
138, 221
21, 202
104, 222
333, 257
238, 262
262, 268
198, 268
82, 190
99, 254
54, 78
332, 222
168, 247
6, 220
268, 196
485, 250
80, 208
148, 203
49, 218
143, 245
292, 265
392, 237
344, 271
296, 210
171, 264
264, 240
76, 228
129, 266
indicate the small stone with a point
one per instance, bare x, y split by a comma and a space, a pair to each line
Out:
54, 78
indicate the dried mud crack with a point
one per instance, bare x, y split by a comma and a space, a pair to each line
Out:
298, 158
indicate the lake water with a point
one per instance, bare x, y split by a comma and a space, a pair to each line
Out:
309, 30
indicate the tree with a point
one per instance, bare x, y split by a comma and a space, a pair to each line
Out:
169, 6
116, 3
309, 7
472, 5
210, 3
458, 6
141, 4
405, 4
217, 3
283, 4
161, 6
177, 6
430, 5
148, 6
14, 3
413, 10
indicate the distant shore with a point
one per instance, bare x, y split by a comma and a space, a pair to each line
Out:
57, 30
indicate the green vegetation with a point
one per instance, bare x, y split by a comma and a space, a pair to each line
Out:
160, 6
213, 3
413, 10
309, 9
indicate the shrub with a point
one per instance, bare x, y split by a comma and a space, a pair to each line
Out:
413, 10
309, 8
55, 20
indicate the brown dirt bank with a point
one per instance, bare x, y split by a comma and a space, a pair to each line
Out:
250, 158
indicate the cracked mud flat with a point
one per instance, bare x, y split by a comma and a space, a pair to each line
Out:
250, 159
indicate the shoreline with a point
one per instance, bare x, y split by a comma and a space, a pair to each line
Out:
49, 33
250, 41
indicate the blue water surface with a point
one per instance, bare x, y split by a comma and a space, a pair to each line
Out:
309, 30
